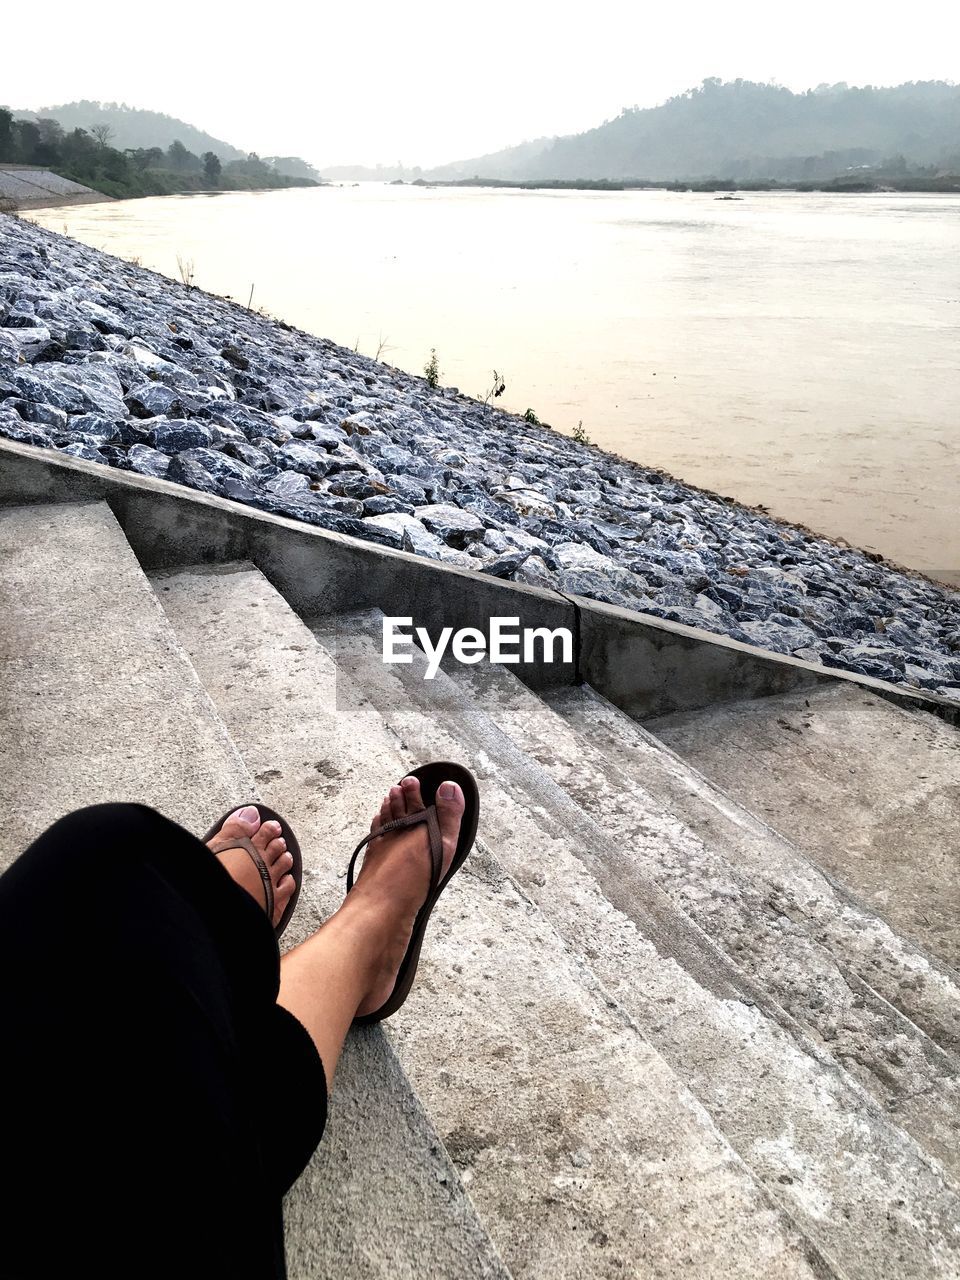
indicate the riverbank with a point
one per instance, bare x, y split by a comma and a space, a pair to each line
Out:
106, 361
24, 187
851, 184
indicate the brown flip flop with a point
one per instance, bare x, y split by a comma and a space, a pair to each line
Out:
430, 777
243, 842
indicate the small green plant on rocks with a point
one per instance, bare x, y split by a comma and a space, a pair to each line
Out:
531, 417
431, 370
579, 434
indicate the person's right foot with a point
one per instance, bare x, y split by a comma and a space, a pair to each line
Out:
395, 877
266, 838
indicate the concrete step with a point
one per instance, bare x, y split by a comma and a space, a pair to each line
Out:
98, 699
868, 790
99, 702
845, 983
582, 1151
841, 1167
872, 955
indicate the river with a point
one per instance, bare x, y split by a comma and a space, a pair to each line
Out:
796, 351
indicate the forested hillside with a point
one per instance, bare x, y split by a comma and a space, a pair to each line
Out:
744, 130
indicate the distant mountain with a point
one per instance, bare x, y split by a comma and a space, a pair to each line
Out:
132, 128
486, 166
742, 130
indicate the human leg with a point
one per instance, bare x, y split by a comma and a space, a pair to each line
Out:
137, 1002
348, 967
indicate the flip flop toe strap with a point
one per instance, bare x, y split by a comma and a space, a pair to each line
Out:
429, 816
241, 842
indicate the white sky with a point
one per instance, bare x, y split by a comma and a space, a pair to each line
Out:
426, 81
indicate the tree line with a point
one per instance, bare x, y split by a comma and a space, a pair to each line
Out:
86, 156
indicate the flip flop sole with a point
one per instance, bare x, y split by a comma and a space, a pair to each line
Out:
430, 777
293, 848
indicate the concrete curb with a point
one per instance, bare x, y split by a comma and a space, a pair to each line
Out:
646, 666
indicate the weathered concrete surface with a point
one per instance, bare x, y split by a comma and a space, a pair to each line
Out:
821, 1145
320, 572
655, 669
869, 791
29, 187
97, 700
745, 909
381, 1199
578, 1170
858, 936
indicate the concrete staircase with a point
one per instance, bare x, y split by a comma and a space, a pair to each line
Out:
651, 1034
826, 768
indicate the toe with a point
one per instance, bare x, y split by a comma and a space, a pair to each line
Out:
413, 800
281, 896
242, 822
450, 806
398, 805
385, 815
281, 866
268, 832
273, 851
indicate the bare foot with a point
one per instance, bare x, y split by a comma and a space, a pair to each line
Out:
395, 877
270, 844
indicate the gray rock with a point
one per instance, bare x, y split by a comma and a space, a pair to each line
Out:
83, 449
382, 504
409, 490
173, 436
411, 533
24, 433
507, 564
23, 344
104, 430
44, 415
526, 502
249, 454
455, 526
218, 466
288, 484
186, 470
771, 635
99, 385
154, 400
148, 462
351, 485
321, 433
503, 540
310, 459
450, 458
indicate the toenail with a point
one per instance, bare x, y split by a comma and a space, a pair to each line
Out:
447, 791
249, 814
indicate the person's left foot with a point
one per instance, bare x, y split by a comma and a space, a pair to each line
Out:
395, 875
270, 844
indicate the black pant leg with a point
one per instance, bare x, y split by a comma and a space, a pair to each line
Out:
137, 1009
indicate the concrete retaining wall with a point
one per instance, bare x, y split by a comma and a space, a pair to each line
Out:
648, 666
27, 187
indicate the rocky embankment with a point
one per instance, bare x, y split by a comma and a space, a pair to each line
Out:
105, 361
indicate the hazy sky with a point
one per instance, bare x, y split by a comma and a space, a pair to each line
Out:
425, 81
